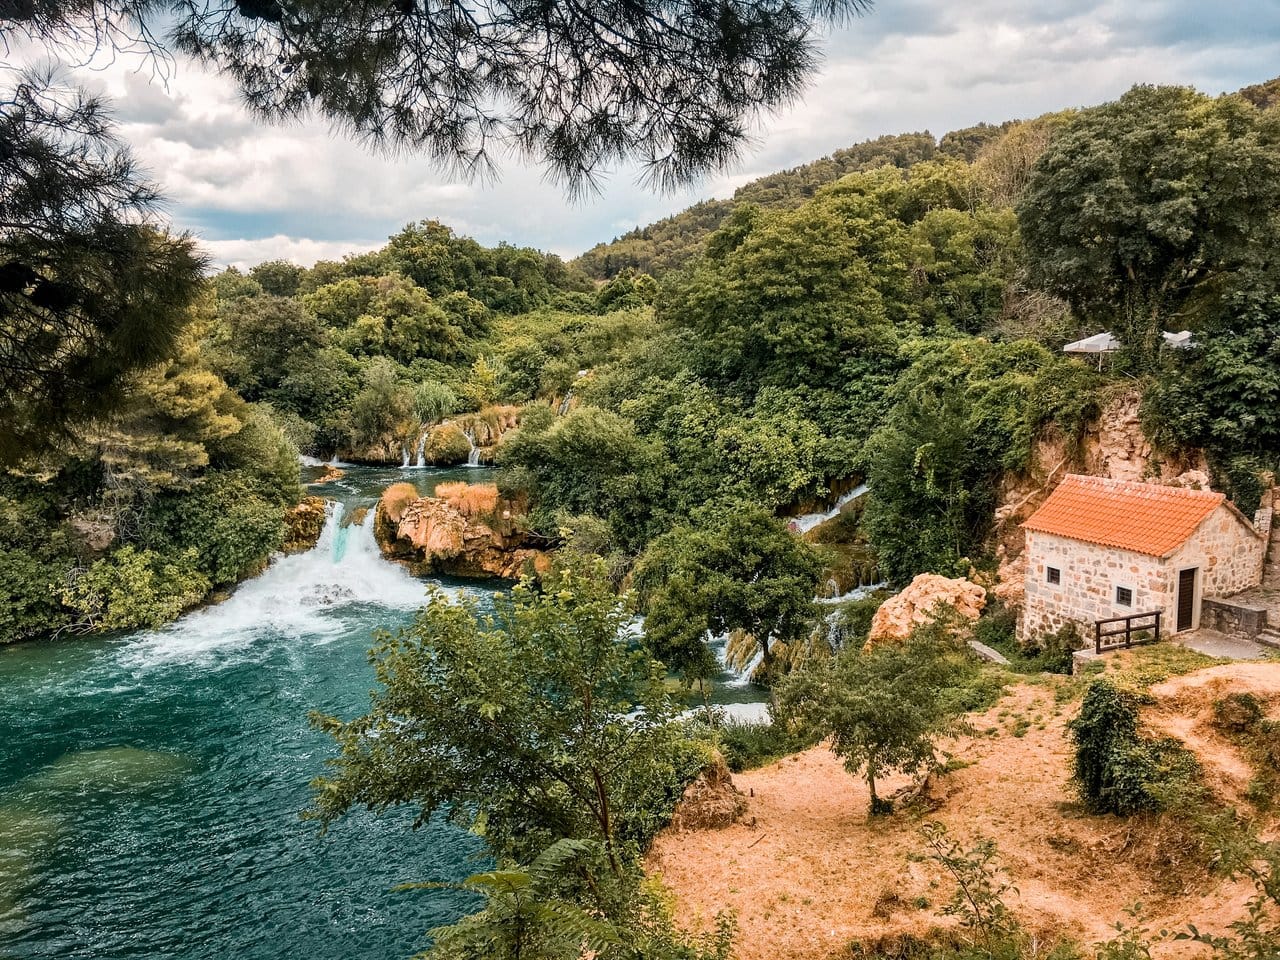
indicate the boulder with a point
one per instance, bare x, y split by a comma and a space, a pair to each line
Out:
920, 602
711, 802
467, 531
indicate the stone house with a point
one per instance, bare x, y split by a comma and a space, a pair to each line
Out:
1101, 548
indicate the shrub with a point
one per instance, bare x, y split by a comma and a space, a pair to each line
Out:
749, 745
1237, 713
29, 604
1053, 651
134, 588
1118, 771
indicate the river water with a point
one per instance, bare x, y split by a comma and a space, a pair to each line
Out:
151, 784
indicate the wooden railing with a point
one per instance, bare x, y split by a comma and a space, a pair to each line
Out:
1102, 639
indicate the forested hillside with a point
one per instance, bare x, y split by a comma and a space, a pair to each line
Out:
674, 241
900, 324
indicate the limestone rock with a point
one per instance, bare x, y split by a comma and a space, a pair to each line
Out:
467, 531
711, 802
917, 605
303, 524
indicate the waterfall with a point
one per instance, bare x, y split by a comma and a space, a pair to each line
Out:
749, 670
806, 522
564, 404
404, 456
473, 457
421, 460
301, 595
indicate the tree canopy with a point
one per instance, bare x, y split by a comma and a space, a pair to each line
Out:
672, 84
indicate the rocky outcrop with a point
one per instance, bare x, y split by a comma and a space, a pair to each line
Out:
465, 530
303, 524
711, 802
921, 602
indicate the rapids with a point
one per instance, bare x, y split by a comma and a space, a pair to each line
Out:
151, 783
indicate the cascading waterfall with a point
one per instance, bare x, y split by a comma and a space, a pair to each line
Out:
421, 459
473, 456
806, 522
564, 404
404, 456
298, 595
749, 670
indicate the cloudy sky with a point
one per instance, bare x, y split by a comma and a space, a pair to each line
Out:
254, 192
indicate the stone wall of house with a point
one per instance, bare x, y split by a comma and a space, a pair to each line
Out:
1086, 593
1227, 552
1228, 555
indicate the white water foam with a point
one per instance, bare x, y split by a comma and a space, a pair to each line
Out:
303, 595
807, 521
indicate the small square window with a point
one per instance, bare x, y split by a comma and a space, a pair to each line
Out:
1053, 575
1124, 596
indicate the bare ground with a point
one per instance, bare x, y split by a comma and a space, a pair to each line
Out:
808, 871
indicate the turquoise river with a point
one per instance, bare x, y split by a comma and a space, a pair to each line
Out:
151, 784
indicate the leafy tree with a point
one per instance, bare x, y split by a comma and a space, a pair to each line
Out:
278, 278
802, 291
566, 902
577, 87
530, 725
382, 405
739, 569
883, 708
589, 461
258, 342
91, 289
1141, 209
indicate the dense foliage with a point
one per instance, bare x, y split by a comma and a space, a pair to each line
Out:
530, 725
1117, 769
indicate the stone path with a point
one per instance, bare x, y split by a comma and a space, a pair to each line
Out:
1214, 644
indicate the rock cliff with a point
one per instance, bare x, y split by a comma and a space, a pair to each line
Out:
1114, 446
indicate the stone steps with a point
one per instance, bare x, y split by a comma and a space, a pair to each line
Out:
1269, 637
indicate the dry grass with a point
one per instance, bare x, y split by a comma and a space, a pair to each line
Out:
808, 872
470, 499
396, 498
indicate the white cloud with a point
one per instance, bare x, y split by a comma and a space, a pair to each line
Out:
244, 253
300, 192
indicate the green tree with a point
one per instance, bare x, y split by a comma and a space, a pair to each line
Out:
529, 725
382, 405
279, 278
92, 289
738, 569
589, 461
1141, 210
566, 903
883, 709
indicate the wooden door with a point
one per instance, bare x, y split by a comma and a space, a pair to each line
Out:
1186, 598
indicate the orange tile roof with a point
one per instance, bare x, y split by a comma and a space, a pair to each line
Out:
1143, 517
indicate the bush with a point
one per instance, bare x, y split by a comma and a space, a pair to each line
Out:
29, 604
134, 588
1053, 651
1237, 713
749, 745
1116, 770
